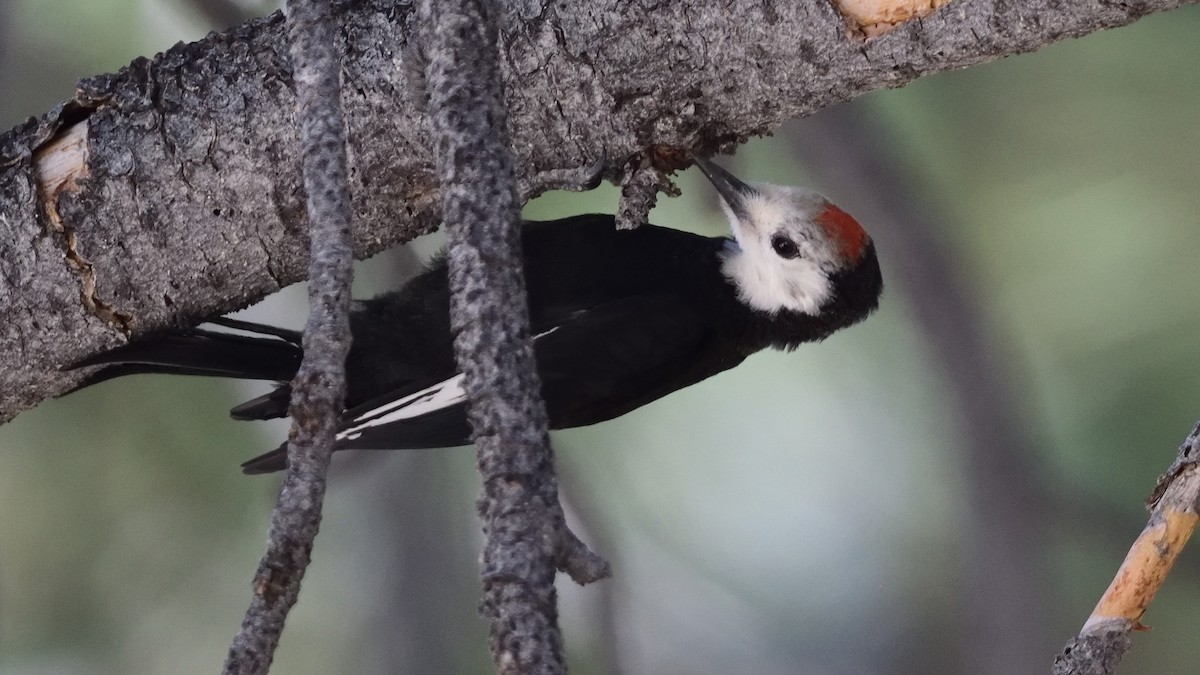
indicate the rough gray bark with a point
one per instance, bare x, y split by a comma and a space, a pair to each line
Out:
1095, 654
523, 523
189, 202
1002, 575
320, 385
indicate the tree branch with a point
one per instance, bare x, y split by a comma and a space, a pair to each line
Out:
184, 201
320, 385
526, 532
1175, 511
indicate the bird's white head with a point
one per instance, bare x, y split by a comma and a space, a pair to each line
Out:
791, 242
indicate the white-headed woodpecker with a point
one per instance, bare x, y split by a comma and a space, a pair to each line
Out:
620, 318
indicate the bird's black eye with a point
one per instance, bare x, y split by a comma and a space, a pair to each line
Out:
784, 247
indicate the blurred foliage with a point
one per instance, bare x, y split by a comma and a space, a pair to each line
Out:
802, 513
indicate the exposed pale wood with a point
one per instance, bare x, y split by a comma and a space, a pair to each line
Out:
1151, 557
872, 18
61, 161
59, 166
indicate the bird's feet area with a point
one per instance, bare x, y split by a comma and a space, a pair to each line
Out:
574, 179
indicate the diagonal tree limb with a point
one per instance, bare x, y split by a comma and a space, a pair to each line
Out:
526, 533
169, 192
320, 384
1174, 514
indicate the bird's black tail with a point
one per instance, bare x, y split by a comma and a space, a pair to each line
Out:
267, 354
275, 460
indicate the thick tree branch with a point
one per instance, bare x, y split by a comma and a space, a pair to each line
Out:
186, 202
320, 385
527, 537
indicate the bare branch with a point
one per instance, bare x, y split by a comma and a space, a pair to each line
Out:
320, 384
1175, 511
526, 532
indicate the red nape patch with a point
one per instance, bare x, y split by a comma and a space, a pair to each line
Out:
851, 238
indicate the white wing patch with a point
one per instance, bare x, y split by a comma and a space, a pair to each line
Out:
439, 396
431, 399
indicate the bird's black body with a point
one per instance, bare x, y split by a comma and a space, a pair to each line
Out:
621, 318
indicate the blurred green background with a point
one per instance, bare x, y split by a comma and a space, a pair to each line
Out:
946, 488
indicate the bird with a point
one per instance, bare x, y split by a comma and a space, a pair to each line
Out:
619, 319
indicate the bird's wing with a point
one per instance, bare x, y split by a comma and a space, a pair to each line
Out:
621, 355
596, 364
422, 415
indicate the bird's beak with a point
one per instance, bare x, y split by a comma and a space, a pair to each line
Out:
732, 190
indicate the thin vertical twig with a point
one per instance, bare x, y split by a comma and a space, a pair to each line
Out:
319, 387
526, 535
